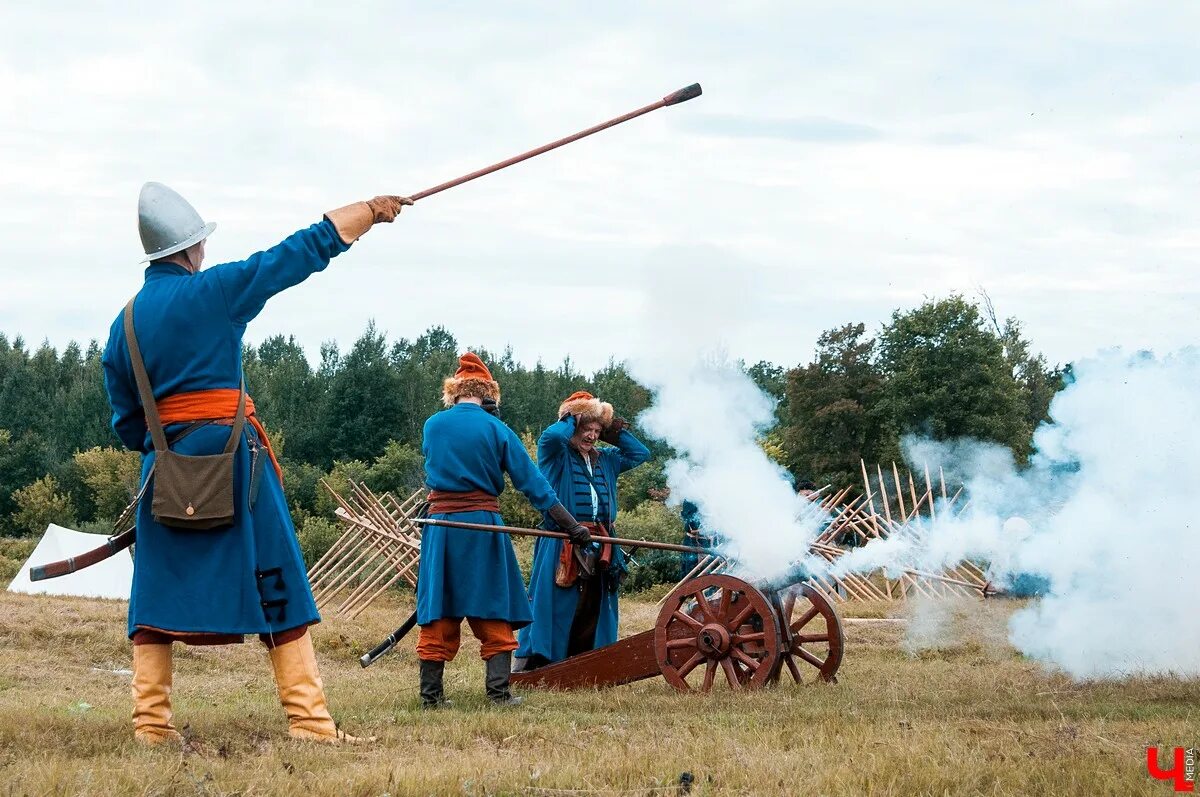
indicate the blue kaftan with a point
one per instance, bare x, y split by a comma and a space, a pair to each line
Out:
554, 606
248, 578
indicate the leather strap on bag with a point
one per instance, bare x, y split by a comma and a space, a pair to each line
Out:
191, 492
153, 423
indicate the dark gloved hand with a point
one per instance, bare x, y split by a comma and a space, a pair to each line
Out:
579, 534
612, 432
387, 208
566, 522
491, 406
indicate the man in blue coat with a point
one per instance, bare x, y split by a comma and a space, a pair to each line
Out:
466, 574
693, 525
213, 586
574, 587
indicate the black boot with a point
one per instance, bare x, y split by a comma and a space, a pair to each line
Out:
431, 684
530, 663
498, 668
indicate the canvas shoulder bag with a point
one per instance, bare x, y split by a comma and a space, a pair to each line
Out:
190, 492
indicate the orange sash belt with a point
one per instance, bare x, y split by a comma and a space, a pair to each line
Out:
443, 503
219, 404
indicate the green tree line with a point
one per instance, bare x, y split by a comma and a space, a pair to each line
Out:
946, 369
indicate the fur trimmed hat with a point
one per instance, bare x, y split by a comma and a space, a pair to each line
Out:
471, 380
587, 407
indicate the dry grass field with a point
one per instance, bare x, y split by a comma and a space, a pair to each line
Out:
967, 717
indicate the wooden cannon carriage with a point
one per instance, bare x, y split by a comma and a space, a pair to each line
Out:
712, 628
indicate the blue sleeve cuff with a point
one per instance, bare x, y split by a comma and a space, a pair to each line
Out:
331, 231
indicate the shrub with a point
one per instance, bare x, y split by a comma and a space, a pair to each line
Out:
316, 535
112, 477
651, 520
652, 569
400, 470
13, 553
40, 504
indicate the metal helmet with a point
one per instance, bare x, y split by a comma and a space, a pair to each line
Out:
167, 222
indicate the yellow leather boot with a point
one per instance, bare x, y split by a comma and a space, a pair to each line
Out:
152, 695
303, 695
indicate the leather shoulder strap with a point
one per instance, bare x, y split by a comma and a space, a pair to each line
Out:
143, 382
239, 420
153, 421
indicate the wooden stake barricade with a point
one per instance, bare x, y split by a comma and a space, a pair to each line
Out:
880, 511
379, 547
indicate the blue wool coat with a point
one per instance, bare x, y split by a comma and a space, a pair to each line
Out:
471, 573
554, 606
245, 579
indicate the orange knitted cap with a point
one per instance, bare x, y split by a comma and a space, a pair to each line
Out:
471, 379
471, 367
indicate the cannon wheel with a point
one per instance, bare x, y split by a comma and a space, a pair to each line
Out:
812, 633
722, 623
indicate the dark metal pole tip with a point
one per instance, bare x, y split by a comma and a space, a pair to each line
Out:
683, 95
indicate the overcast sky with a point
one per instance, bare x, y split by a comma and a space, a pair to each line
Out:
846, 159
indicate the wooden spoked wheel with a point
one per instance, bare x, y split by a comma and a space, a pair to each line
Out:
812, 633
717, 625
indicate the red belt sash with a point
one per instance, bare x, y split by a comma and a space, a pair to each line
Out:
218, 404
442, 502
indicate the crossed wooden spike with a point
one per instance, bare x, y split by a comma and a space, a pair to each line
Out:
856, 518
380, 546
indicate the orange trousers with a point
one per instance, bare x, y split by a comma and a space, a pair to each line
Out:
440, 640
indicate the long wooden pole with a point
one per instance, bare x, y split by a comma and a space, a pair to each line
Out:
673, 98
558, 535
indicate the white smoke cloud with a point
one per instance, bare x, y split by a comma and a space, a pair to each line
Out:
1104, 512
711, 412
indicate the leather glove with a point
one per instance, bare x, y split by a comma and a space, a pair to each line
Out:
491, 406
567, 522
387, 208
612, 432
579, 535
354, 220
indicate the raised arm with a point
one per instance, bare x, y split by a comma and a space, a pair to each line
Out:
247, 285
553, 443
630, 450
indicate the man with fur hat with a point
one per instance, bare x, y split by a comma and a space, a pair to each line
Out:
175, 384
466, 574
574, 586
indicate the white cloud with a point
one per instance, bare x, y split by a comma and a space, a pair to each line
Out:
855, 159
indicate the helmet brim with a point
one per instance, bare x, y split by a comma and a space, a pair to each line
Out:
200, 235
